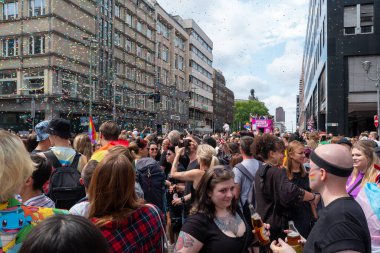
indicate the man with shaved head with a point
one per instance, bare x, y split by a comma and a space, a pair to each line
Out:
342, 226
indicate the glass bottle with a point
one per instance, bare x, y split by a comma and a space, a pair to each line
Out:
258, 226
294, 237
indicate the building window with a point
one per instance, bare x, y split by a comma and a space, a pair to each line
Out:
10, 10
128, 46
69, 85
36, 8
138, 51
203, 43
8, 82
119, 96
119, 68
10, 47
130, 99
34, 79
366, 18
165, 76
149, 57
37, 45
138, 76
117, 40
179, 62
179, 42
149, 33
139, 26
162, 29
128, 19
355, 25
165, 53
117, 11
158, 50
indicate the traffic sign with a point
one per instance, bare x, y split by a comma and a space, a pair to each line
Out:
376, 121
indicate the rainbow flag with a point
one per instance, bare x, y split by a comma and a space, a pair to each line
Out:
92, 131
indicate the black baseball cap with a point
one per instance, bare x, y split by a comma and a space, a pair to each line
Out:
60, 127
344, 141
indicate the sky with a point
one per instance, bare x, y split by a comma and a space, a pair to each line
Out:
258, 44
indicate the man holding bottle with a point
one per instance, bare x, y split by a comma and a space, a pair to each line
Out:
342, 226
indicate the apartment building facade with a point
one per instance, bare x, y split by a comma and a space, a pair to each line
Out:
134, 51
107, 58
200, 77
47, 48
223, 102
172, 71
44, 62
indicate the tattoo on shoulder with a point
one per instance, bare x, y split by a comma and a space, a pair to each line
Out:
184, 241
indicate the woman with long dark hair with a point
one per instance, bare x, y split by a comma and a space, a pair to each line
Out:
127, 224
215, 225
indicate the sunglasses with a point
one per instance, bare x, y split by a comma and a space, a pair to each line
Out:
152, 149
168, 154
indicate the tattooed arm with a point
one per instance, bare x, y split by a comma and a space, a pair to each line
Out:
187, 244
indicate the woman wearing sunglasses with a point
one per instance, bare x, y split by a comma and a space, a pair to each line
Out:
215, 225
153, 151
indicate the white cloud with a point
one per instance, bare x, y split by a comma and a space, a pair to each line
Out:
242, 85
287, 67
247, 34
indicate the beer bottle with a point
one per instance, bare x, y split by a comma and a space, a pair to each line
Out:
294, 237
258, 226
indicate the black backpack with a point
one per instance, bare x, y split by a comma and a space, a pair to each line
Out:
251, 193
151, 178
64, 186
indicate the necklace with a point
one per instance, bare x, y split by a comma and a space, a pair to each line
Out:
229, 223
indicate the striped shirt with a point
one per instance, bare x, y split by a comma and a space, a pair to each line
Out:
40, 201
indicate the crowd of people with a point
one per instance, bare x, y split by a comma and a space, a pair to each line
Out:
137, 191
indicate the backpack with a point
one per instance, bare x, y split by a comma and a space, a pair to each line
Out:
64, 186
251, 193
151, 178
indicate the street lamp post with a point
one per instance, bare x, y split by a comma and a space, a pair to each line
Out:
90, 42
367, 66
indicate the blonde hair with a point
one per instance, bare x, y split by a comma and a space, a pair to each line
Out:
289, 163
207, 155
82, 144
15, 165
372, 159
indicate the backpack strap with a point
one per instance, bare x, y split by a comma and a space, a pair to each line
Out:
245, 172
75, 162
251, 193
53, 159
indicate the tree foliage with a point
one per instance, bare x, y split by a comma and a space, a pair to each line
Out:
243, 109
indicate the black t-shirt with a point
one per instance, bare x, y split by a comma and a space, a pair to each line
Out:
207, 232
341, 226
189, 186
301, 212
164, 163
176, 211
184, 160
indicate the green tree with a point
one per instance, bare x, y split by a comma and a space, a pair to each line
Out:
243, 109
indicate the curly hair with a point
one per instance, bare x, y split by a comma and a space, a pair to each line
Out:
262, 145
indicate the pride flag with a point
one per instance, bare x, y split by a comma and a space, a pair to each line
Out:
92, 131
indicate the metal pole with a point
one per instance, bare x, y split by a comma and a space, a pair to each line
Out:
90, 105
